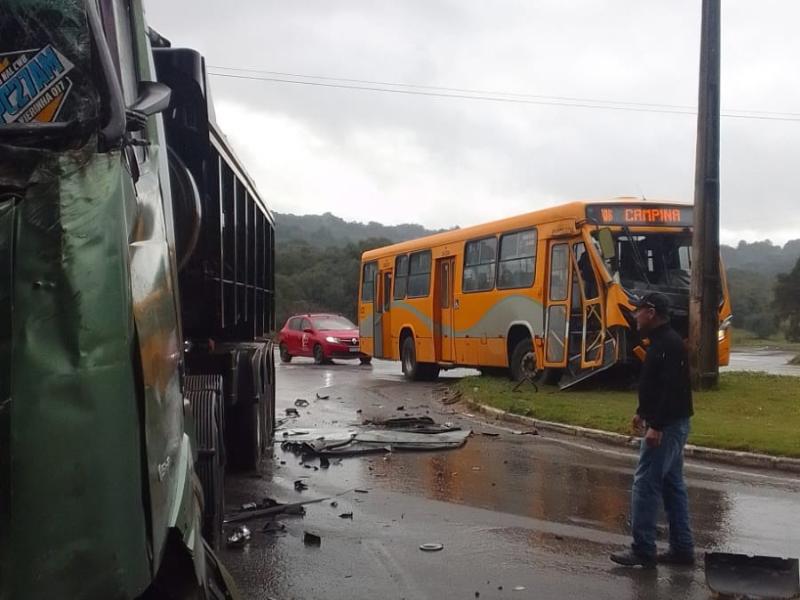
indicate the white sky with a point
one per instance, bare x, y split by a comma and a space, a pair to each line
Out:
440, 162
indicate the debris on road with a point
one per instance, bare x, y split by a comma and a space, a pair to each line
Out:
301, 403
324, 463
239, 537
273, 527
456, 397
300, 485
292, 412
490, 434
334, 504
347, 515
519, 588
401, 408
431, 547
293, 509
311, 539
249, 506
361, 491
321, 397
359, 441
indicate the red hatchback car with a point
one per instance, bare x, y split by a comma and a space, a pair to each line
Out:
322, 337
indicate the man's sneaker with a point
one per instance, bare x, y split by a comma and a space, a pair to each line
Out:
631, 559
683, 559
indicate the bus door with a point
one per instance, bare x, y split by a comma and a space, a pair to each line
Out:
591, 340
382, 306
444, 339
557, 309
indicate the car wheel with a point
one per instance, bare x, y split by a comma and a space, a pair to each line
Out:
285, 356
366, 360
319, 355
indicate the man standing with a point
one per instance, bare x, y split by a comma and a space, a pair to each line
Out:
665, 406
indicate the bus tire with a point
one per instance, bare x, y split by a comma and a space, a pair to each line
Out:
208, 429
522, 362
285, 356
413, 370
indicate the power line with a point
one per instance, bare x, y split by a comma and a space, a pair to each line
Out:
495, 96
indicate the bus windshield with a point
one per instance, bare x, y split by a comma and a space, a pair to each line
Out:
655, 260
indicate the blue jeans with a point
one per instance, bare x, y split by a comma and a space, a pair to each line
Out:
659, 477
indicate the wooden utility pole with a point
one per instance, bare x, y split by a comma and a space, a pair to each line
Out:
706, 286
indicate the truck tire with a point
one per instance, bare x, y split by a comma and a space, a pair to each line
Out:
413, 370
522, 362
205, 397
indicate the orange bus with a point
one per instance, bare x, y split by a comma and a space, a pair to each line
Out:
546, 293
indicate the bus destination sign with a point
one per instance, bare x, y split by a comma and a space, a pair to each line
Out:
640, 215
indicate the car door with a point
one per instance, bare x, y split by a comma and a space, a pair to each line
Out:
292, 339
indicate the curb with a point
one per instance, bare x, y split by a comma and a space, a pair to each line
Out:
731, 457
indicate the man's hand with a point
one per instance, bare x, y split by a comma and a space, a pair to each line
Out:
637, 425
653, 438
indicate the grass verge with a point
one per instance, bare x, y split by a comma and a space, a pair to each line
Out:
743, 339
754, 412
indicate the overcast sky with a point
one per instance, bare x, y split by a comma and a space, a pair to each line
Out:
393, 157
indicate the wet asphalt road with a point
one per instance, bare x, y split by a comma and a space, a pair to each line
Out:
513, 511
775, 362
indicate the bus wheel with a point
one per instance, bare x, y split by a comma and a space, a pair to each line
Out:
522, 363
285, 356
411, 368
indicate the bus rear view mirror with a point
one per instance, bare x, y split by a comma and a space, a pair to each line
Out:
607, 243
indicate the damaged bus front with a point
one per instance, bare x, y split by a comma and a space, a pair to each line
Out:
99, 497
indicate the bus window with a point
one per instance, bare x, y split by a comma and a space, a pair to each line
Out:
368, 285
479, 265
419, 274
559, 258
517, 260
400, 277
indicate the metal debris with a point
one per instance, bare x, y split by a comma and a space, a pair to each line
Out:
361, 491
292, 412
301, 402
347, 515
311, 539
321, 397
239, 537
431, 547
300, 485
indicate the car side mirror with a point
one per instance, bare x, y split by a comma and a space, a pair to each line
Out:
153, 98
607, 243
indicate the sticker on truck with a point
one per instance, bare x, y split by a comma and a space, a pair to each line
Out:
33, 85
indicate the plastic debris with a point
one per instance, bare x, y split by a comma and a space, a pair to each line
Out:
300, 485
431, 547
249, 506
311, 539
239, 537
347, 515
301, 402
361, 491
292, 412
519, 588
321, 397
324, 463
273, 527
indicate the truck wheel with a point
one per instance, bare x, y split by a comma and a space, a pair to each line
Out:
247, 440
522, 362
210, 467
319, 355
285, 356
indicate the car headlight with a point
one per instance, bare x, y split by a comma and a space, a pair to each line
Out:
330, 339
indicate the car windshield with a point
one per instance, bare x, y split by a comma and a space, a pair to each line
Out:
651, 259
332, 323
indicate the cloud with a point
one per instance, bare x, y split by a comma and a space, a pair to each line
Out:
441, 161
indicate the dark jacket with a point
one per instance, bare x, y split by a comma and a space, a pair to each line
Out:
665, 390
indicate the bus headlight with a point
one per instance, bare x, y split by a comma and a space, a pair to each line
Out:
723, 328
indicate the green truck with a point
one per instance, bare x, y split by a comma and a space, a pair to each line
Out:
136, 309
